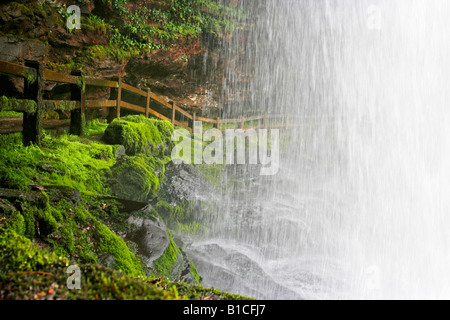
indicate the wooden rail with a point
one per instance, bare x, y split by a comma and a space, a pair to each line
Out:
35, 75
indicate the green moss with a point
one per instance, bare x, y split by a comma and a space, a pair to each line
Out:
197, 292
168, 265
46, 223
17, 162
194, 273
109, 52
30, 223
10, 114
135, 178
82, 230
19, 253
29, 273
181, 219
12, 104
95, 127
30, 76
81, 83
109, 243
140, 135
97, 283
16, 222
67, 161
30, 8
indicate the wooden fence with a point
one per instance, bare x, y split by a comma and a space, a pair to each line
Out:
35, 75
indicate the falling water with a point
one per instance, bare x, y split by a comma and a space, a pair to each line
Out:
361, 206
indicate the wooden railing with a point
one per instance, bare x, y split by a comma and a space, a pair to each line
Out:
35, 75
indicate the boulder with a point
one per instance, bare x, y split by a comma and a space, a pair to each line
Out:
135, 178
155, 243
140, 135
150, 235
184, 182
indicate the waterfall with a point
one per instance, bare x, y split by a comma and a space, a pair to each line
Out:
360, 208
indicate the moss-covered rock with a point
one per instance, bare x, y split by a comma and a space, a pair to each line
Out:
140, 135
137, 178
170, 264
18, 253
30, 273
59, 208
111, 245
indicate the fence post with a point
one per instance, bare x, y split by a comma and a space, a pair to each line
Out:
218, 123
119, 97
33, 90
77, 115
147, 107
266, 120
194, 118
174, 111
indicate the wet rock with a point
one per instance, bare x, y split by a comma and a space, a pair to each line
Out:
183, 182
150, 235
121, 153
134, 178
232, 270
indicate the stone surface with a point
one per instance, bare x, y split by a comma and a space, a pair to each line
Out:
184, 182
15, 49
150, 235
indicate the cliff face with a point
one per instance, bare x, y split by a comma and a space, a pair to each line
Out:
145, 42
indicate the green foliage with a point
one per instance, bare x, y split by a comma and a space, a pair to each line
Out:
102, 52
148, 28
94, 23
